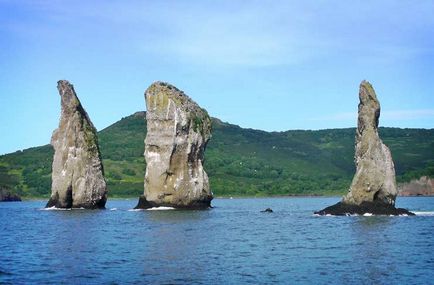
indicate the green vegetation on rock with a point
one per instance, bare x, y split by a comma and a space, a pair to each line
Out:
239, 161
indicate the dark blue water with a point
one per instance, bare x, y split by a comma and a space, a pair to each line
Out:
234, 243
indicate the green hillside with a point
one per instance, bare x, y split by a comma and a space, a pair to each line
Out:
238, 161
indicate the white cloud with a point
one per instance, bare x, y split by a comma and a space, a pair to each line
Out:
254, 33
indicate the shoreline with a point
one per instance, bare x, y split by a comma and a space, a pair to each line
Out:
24, 199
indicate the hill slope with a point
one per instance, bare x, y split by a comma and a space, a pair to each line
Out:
238, 161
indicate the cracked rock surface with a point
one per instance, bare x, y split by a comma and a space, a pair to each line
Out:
77, 172
178, 131
373, 189
375, 172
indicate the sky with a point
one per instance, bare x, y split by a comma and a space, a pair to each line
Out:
270, 65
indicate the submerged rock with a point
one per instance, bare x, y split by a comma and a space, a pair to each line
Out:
7, 196
77, 174
178, 131
373, 189
268, 210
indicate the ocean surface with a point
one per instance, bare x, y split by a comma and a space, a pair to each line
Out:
233, 243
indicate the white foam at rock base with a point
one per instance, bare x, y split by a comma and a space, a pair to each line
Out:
60, 209
160, 208
424, 213
55, 209
152, 209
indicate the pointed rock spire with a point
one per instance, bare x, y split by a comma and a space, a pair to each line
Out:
373, 189
374, 180
77, 174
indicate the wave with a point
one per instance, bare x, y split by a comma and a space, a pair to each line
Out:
152, 209
113, 209
5, 273
60, 209
160, 209
424, 213
55, 209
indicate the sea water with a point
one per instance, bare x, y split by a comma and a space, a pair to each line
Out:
233, 243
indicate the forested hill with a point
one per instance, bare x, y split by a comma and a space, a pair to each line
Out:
238, 161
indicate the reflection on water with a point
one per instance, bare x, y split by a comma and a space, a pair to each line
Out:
175, 216
373, 222
176, 246
373, 243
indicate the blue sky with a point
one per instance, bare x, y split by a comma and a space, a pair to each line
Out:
271, 65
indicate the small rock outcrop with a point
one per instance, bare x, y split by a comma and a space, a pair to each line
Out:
178, 131
77, 174
424, 186
373, 189
7, 196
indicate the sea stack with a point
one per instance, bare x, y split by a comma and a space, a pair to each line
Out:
373, 189
77, 174
178, 131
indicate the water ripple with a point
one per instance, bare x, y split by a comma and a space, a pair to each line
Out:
231, 244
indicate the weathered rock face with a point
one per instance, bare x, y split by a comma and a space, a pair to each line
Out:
373, 189
7, 196
178, 131
77, 174
375, 175
423, 186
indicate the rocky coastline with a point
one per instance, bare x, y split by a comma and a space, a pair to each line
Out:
424, 186
7, 196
